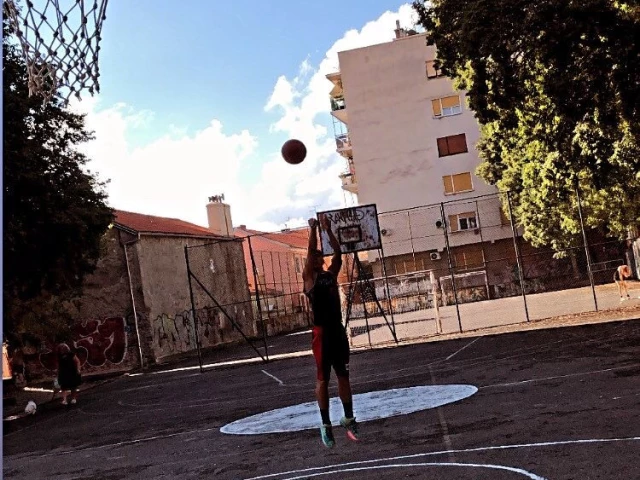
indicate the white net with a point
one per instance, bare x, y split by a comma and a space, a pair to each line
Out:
60, 41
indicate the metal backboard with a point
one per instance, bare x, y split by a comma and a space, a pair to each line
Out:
356, 228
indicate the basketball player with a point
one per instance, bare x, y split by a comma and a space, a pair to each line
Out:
620, 277
329, 341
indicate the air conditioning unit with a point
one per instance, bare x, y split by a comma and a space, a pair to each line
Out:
435, 256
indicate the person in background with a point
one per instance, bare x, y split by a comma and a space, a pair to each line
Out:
69, 377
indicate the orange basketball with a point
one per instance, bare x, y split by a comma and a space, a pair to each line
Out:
293, 151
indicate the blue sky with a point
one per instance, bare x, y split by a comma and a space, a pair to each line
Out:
182, 110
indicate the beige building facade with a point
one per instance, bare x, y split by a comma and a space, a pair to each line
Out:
408, 138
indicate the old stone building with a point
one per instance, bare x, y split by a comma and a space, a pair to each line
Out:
137, 305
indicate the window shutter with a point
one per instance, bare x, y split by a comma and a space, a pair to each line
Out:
457, 144
437, 109
443, 147
453, 223
448, 184
462, 182
452, 101
431, 70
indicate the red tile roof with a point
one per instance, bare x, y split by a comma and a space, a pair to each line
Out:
141, 223
293, 238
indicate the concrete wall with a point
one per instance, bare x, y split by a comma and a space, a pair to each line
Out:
219, 266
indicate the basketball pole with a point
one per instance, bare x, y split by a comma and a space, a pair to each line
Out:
386, 283
368, 283
364, 300
349, 300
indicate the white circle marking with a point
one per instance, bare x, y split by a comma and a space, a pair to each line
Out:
367, 406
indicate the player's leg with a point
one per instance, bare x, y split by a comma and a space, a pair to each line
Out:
341, 366
323, 371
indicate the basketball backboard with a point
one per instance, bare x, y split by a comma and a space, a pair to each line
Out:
356, 228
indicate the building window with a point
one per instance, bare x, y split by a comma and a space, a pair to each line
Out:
470, 258
463, 221
458, 183
446, 106
452, 145
432, 71
299, 264
337, 104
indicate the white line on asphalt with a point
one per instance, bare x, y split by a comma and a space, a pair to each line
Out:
467, 345
275, 378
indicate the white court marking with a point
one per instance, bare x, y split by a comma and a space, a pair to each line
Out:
466, 346
274, 377
369, 406
556, 377
444, 452
520, 471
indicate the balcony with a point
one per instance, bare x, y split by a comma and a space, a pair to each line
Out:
343, 145
349, 182
339, 109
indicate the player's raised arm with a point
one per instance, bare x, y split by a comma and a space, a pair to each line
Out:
336, 261
312, 249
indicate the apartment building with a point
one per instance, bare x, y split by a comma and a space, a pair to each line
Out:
408, 139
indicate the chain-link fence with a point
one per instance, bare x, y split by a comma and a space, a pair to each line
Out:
275, 262
468, 259
456, 266
221, 303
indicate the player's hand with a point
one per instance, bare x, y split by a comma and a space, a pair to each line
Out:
325, 222
313, 223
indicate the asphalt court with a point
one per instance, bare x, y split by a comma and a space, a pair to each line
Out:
562, 403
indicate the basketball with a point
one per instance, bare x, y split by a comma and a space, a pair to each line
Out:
294, 151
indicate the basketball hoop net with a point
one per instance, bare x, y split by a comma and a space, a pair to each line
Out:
60, 44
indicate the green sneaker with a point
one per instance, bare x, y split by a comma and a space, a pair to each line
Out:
326, 432
352, 428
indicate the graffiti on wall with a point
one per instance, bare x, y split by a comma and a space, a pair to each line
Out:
95, 342
175, 334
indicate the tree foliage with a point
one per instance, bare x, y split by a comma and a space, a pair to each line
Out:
555, 86
55, 212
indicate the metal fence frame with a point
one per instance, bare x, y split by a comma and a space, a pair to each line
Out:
290, 295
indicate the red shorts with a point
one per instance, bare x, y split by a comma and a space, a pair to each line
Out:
330, 349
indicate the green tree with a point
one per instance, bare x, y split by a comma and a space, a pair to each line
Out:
555, 86
55, 212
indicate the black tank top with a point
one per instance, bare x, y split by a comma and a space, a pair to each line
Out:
325, 301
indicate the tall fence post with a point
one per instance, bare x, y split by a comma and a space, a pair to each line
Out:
586, 247
193, 308
453, 279
133, 305
516, 247
255, 282
434, 290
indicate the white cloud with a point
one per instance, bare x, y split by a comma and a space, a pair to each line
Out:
301, 100
174, 173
